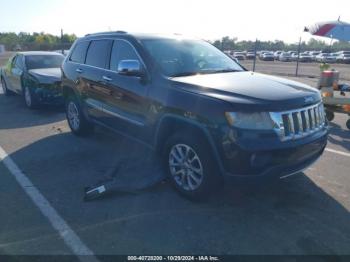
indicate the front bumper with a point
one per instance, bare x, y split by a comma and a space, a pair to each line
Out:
257, 159
49, 95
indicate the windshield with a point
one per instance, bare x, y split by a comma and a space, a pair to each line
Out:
43, 61
189, 57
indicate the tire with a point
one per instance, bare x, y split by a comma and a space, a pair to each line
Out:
329, 115
5, 89
29, 98
348, 124
196, 176
77, 121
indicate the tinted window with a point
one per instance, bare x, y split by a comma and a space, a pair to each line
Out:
122, 51
43, 61
98, 53
79, 52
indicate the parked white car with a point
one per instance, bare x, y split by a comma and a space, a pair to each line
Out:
326, 58
285, 57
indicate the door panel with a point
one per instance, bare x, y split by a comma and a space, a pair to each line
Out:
11, 73
95, 92
16, 74
97, 59
127, 103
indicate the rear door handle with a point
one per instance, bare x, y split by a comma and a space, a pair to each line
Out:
106, 78
78, 70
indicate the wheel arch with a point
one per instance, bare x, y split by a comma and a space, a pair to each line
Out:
67, 90
171, 124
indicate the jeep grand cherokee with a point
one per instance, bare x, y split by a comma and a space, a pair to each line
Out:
209, 118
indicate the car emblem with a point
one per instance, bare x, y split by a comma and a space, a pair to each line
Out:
309, 99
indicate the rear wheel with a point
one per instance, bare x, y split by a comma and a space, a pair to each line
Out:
190, 166
4, 88
77, 122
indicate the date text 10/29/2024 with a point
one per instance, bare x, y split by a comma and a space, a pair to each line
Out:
173, 258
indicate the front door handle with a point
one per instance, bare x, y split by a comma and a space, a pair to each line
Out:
106, 78
78, 70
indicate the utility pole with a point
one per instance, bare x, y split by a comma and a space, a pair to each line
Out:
255, 49
331, 43
62, 48
299, 47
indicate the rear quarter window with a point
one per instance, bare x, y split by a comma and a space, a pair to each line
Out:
79, 52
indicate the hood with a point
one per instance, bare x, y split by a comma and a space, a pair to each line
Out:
251, 90
46, 75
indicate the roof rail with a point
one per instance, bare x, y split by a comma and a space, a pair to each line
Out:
107, 33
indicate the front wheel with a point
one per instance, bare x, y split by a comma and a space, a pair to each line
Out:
30, 99
77, 122
190, 166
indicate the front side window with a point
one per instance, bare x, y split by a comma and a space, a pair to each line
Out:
79, 52
121, 50
19, 62
98, 53
13, 61
189, 57
43, 61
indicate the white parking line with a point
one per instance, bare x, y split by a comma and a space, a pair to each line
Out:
58, 223
1, 90
338, 152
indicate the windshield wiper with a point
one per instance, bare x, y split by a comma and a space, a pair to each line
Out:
185, 74
228, 70
203, 72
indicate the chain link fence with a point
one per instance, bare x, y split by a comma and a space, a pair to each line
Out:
289, 68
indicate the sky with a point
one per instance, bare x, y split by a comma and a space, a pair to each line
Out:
210, 20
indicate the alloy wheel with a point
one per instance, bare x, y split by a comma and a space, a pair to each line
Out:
185, 167
73, 116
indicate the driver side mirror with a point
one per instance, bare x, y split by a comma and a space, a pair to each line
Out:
130, 68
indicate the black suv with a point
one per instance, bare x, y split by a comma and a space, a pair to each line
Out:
209, 118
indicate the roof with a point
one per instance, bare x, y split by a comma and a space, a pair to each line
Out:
139, 36
38, 53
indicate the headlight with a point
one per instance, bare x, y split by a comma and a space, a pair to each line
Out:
255, 120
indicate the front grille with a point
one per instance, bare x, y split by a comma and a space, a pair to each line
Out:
299, 123
55, 86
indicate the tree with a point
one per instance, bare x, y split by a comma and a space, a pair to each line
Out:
36, 41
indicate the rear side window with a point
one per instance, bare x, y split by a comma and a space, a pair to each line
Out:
122, 50
98, 53
79, 52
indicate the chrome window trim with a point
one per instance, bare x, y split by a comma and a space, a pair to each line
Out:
112, 39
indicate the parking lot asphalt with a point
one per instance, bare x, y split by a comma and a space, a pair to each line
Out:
303, 214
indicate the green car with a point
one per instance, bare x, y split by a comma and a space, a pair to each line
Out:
36, 76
